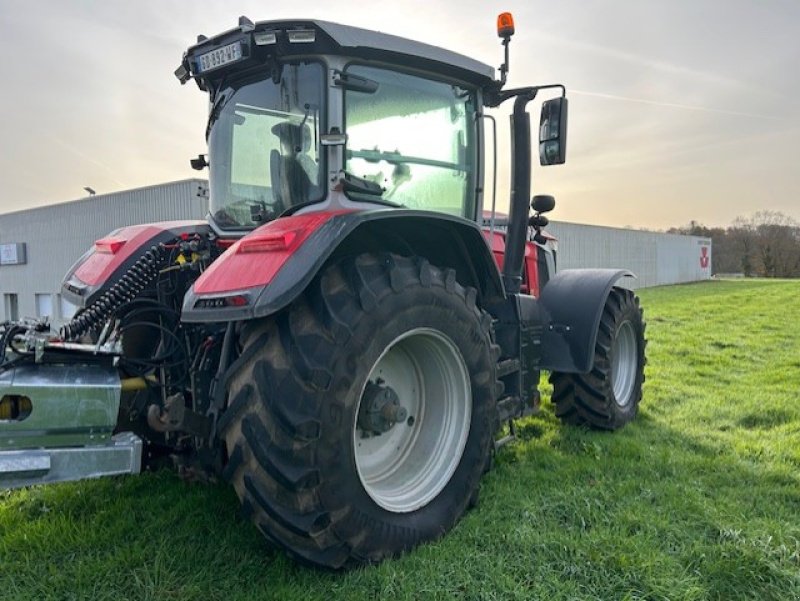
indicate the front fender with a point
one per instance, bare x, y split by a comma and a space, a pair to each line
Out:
572, 304
270, 267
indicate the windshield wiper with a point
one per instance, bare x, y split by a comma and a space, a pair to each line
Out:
359, 185
358, 188
216, 109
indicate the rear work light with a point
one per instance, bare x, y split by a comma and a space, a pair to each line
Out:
265, 38
302, 36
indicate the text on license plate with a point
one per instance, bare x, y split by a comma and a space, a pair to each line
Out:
219, 57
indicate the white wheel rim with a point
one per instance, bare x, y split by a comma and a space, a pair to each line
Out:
406, 467
624, 364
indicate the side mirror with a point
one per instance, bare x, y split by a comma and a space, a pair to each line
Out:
543, 203
199, 163
553, 132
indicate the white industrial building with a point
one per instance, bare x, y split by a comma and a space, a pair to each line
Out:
656, 258
37, 246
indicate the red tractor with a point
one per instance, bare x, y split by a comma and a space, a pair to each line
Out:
344, 337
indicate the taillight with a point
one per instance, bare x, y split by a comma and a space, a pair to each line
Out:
218, 302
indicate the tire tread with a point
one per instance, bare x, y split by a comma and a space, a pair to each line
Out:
587, 399
274, 420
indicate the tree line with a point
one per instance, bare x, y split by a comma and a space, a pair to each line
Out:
765, 244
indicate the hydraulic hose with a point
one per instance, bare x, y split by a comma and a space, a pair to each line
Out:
129, 286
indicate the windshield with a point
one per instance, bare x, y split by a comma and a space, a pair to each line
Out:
264, 151
415, 138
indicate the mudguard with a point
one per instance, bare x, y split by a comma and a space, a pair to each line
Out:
113, 255
572, 304
270, 267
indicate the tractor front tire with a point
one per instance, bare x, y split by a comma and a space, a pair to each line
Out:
608, 397
361, 418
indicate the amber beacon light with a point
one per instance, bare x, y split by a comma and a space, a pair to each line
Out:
505, 25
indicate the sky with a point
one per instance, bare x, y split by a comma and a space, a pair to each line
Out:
680, 110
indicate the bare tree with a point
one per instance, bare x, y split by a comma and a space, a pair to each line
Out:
743, 243
765, 244
777, 244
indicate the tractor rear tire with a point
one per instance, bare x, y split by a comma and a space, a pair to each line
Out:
608, 397
325, 470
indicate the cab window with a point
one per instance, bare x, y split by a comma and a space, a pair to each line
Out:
415, 138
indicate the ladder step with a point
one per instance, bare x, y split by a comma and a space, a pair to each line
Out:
506, 367
508, 407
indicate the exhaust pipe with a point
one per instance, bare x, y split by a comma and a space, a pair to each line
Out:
517, 232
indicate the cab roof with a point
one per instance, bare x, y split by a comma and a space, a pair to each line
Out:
359, 43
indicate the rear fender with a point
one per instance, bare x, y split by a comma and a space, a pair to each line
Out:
110, 257
270, 267
572, 304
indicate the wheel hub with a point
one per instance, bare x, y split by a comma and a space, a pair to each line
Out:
380, 409
405, 455
624, 364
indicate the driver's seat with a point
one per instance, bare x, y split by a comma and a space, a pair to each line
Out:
292, 170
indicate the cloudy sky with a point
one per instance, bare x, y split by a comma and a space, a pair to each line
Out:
679, 109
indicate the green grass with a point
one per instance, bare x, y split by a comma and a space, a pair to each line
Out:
697, 499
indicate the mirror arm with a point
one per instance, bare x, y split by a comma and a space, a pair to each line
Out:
517, 232
494, 97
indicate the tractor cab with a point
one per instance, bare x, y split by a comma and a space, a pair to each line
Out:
310, 115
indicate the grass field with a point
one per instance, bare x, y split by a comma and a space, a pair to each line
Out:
698, 499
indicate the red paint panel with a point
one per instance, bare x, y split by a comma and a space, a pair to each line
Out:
111, 252
255, 259
497, 243
530, 269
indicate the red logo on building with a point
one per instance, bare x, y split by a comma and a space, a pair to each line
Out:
704, 258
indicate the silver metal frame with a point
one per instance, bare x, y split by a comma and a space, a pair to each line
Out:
72, 405
121, 455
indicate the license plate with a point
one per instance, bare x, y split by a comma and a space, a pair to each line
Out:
219, 57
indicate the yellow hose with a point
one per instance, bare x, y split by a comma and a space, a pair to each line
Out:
14, 407
135, 384
5, 408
